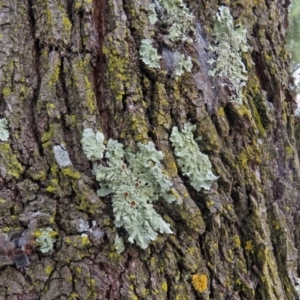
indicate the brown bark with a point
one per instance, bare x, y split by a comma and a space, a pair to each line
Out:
69, 65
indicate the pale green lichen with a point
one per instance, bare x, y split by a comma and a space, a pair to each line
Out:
4, 134
119, 244
45, 238
194, 164
178, 19
153, 16
297, 288
182, 63
149, 54
135, 180
92, 144
230, 42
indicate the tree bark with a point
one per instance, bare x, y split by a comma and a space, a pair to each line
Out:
69, 65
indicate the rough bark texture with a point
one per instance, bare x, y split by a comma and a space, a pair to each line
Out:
68, 65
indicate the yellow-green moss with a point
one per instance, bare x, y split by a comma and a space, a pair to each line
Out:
90, 96
221, 112
74, 296
84, 84
53, 186
53, 79
258, 122
86, 206
47, 135
49, 269
66, 24
6, 91
71, 120
236, 241
164, 286
289, 151
133, 297
9, 161
71, 172
250, 153
85, 240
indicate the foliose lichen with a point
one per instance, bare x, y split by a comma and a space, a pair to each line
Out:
153, 16
45, 238
182, 63
4, 134
84, 226
92, 144
119, 244
149, 54
135, 181
194, 164
230, 42
178, 19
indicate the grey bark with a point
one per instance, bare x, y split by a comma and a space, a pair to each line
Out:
69, 65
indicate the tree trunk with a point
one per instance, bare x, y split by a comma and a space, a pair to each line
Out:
70, 65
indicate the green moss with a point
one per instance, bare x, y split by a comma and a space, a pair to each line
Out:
90, 95
164, 286
236, 241
49, 269
71, 172
66, 25
9, 161
85, 240
53, 79
6, 91
73, 296
289, 151
250, 153
83, 82
71, 120
221, 112
118, 63
53, 186
86, 206
47, 135
258, 122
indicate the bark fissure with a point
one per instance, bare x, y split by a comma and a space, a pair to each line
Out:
77, 65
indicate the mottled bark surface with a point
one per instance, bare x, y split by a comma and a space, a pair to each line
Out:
68, 65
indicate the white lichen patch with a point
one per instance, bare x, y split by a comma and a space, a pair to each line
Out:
4, 134
62, 156
84, 226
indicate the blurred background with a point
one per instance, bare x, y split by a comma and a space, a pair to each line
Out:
293, 43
